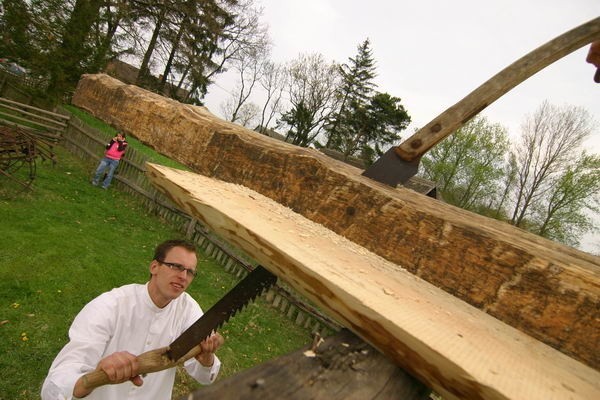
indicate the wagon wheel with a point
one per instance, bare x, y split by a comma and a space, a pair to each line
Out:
17, 157
9, 169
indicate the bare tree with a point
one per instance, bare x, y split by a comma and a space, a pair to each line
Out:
249, 67
549, 144
311, 90
244, 33
273, 81
248, 114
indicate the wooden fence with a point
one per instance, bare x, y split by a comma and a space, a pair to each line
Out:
89, 143
32, 118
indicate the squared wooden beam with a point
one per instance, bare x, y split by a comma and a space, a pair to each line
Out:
456, 349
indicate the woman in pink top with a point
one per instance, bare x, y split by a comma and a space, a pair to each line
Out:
114, 151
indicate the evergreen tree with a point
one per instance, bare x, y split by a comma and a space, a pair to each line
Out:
369, 127
74, 52
203, 42
15, 37
354, 92
158, 13
366, 121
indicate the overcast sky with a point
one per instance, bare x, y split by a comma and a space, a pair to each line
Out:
432, 53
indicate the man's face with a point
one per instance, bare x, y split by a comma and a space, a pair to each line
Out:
167, 282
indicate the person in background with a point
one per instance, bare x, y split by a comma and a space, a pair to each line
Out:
112, 329
593, 57
114, 151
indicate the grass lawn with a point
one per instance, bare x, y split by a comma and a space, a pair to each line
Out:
66, 242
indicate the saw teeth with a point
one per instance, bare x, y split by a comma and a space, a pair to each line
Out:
237, 299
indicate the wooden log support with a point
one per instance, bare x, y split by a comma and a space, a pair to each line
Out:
458, 350
549, 291
230, 263
343, 367
290, 312
300, 318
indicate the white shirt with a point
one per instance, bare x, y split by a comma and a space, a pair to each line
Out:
124, 319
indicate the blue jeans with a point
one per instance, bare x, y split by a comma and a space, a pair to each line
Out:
105, 163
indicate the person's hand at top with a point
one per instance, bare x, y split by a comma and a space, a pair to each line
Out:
593, 57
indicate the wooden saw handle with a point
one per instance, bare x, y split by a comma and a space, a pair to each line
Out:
150, 361
460, 113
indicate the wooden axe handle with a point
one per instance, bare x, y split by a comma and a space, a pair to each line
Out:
460, 113
150, 361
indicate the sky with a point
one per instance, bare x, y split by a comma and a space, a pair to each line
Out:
432, 53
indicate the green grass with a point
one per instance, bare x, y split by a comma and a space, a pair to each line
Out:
66, 242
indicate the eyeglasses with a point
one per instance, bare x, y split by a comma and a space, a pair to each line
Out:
188, 271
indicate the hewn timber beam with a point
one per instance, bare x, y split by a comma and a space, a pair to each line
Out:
550, 291
458, 350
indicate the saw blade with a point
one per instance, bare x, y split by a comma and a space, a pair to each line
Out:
245, 291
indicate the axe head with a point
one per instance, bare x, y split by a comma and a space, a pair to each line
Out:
392, 170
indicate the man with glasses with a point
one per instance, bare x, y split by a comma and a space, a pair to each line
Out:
116, 326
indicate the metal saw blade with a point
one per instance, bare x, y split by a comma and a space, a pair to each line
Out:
245, 291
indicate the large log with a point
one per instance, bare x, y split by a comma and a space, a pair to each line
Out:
458, 350
343, 367
550, 291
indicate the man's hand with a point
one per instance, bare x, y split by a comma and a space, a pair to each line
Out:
593, 57
119, 367
209, 347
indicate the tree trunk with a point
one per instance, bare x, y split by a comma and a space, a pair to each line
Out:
144, 74
65, 70
167, 71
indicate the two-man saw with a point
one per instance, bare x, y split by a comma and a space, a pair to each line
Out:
187, 345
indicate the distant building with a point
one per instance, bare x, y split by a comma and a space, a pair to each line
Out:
270, 133
122, 71
127, 73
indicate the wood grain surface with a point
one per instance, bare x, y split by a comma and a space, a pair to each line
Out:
456, 349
